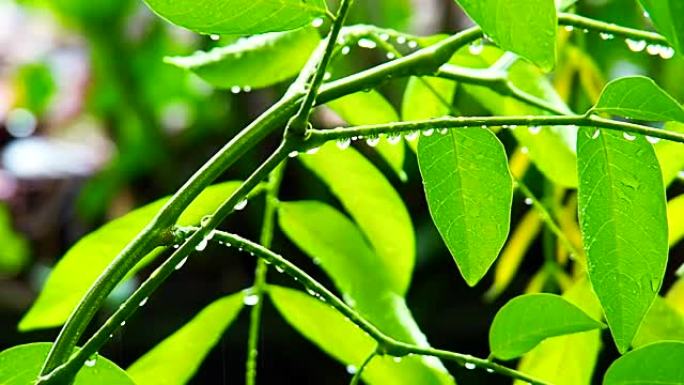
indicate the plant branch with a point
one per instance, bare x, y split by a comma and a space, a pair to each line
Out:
386, 344
298, 124
274, 180
359, 372
318, 137
64, 373
614, 29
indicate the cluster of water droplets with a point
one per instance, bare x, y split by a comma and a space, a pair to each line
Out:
635, 45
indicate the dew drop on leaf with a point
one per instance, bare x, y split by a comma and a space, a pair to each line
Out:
293, 154
373, 141
143, 302
90, 362
635, 45
428, 132
470, 365
251, 299
652, 139
351, 369
343, 144
628, 136
181, 263
317, 22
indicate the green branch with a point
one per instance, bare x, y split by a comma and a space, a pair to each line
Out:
577, 21
274, 180
299, 123
386, 344
318, 137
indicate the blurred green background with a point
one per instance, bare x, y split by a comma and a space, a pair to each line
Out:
93, 123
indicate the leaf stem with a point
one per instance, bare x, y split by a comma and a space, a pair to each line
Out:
299, 123
386, 344
357, 375
600, 26
512, 122
274, 180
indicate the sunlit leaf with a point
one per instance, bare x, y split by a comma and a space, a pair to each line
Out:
176, 359
623, 219
670, 154
661, 323
373, 204
527, 320
639, 97
341, 339
469, 190
526, 27
87, 259
372, 108
21, 365
239, 16
675, 220
659, 363
254, 62
568, 359
426, 98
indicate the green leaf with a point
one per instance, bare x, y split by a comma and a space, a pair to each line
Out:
639, 97
621, 193
670, 154
526, 27
527, 320
662, 322
340, 249
552, 149
176, 359
666, 15
239, 16
675, 220
254, 62
344, 341
21, 365
659, 363
87, 259
14, 252
426, 98
469, 191
372, 108
568, 359
373, 204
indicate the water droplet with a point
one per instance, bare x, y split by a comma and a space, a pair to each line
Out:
247, 88
235, 89
646, 15
652, 139
90, 362
312, 151
666, 52
401, 40
470, 365
635, 45
279, 269
202, 245
394, 139
123, 323
443, 131
569, 28
143, 302
680, 174
596, 134
384, 36
476, 47
181, 263
529, 201
293, 154
429, 132
311, 292
391, 55
489, 370
367, 43
653, 49
396, 359
411, 136
346, 50
585, 30
317, 22
351, 369
412, 44
327, 76
373, 141
628, 136
534, 130
241, 205
524, 150
250, 299
606, 36
343, 144
214, 37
